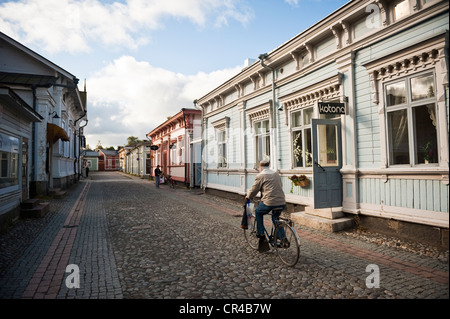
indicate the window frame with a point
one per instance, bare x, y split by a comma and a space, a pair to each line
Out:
301, 128
10, 146
409, 106
222, 161
265, 135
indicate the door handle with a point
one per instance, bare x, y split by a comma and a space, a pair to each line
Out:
323, 169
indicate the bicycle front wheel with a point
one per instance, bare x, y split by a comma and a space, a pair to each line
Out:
250, 233
287, 245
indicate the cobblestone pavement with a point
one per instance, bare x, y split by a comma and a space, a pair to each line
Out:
131, 240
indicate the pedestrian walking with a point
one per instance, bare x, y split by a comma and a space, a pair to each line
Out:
157, 175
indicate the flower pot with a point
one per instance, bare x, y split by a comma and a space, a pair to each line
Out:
304, 183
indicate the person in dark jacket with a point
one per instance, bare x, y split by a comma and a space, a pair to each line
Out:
157, 176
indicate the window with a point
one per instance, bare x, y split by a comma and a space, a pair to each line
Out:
9, 161
222, 148
262, 133
301, 137
181, 154
174, 151
411, 120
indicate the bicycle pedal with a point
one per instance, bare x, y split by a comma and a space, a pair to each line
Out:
263, 246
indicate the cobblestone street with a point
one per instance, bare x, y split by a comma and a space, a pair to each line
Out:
131, 240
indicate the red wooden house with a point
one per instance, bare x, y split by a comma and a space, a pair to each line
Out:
108, 160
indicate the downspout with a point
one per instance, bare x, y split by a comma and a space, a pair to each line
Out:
202, 144
79, 144
185, 148
33, 142
274, 110
77, 156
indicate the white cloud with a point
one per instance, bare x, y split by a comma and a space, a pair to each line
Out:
130, 98
74, 25
292, 2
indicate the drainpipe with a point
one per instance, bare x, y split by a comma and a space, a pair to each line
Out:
274, 110
202, 185
79, 145
33, 144
185, 148
76, 164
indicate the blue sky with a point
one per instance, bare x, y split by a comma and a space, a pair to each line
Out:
145, 60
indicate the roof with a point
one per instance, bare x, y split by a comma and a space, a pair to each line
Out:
91, 153
43, 80
36, 56
109, 152
173, 119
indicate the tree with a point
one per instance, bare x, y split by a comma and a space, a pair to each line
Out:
133, 140
99, 145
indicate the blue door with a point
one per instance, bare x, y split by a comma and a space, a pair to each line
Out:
327, 163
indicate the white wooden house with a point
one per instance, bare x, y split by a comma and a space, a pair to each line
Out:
42, 113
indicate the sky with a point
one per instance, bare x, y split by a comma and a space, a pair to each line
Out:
145, 60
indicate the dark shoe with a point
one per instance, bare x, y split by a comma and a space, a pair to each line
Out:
263, 245
285, 243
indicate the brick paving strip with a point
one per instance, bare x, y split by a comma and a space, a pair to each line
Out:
47, 279
425, 272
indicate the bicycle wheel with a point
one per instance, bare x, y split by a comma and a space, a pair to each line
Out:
250, 233
286, 243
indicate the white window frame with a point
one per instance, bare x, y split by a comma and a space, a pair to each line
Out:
409, 105
222, 141
221, 129
262, 135
301, 128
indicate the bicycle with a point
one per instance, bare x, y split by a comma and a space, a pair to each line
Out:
283, 237
171, 181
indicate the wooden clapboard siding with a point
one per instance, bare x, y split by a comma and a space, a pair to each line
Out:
422, 194
297, 190
234, 138
224, 181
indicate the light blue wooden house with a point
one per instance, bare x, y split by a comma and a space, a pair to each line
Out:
358, 103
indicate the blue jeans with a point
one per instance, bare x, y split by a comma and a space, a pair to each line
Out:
157, 181
262, 210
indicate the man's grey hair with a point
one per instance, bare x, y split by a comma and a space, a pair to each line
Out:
264, 163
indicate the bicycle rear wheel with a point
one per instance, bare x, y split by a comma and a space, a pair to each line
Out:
250, 233
287, 245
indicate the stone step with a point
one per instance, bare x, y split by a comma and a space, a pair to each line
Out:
35, 212
322, 223
30, 203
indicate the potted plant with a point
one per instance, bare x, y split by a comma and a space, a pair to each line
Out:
427, 151
300, 180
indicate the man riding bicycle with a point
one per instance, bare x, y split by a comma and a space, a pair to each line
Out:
268, 182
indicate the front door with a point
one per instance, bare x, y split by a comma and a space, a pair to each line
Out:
327, 163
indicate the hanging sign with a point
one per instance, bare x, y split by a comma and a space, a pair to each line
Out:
331, 108
154, 147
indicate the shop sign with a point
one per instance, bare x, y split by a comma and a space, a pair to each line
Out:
331, 108
154, 147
